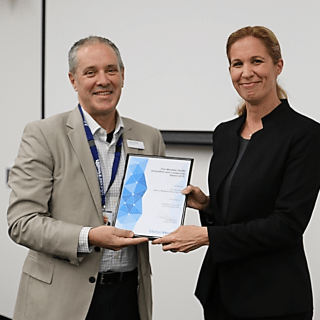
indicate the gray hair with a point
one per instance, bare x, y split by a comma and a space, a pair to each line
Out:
72, 57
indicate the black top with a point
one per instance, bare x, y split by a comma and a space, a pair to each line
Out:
110, 136
225, 187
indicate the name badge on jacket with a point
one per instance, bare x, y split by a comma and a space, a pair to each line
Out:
135, 144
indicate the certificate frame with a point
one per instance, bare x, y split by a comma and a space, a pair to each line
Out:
151, 203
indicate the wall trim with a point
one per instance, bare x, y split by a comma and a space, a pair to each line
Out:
43, 58
203, 138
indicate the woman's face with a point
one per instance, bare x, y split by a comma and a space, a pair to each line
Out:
252, 70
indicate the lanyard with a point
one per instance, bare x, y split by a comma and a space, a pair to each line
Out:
95, 155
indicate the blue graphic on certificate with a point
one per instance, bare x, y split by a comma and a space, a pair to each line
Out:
151, 203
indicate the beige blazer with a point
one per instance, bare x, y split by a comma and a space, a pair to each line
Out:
55, 192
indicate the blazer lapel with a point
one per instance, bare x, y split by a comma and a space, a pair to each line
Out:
78, 140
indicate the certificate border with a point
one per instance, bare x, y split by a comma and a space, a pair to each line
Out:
130, 155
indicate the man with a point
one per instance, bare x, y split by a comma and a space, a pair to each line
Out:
65, 186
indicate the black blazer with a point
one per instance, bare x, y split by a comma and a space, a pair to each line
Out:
256, 252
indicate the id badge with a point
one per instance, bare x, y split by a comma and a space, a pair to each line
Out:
109, 209
107, 217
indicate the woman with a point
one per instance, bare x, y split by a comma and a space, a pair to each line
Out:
264, 179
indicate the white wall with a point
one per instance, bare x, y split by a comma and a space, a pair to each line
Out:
174, 54
174, 275
20, 55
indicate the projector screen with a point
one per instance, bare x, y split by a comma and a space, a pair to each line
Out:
176, 70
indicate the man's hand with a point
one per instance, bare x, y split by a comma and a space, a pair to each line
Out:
196, 198
184, 239
112, 238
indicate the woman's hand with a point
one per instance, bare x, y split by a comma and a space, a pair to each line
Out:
196, 198
184, 239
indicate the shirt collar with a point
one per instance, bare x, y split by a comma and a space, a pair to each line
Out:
95, 127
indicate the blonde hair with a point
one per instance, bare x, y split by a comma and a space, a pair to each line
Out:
270, 41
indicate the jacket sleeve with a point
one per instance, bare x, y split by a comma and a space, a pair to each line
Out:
31, 180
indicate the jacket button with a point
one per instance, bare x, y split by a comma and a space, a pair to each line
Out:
92, 279
97, 249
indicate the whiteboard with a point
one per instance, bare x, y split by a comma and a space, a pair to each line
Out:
176, 69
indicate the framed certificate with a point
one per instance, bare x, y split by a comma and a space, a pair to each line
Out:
151, 203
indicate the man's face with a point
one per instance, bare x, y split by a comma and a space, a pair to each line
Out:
98, 79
